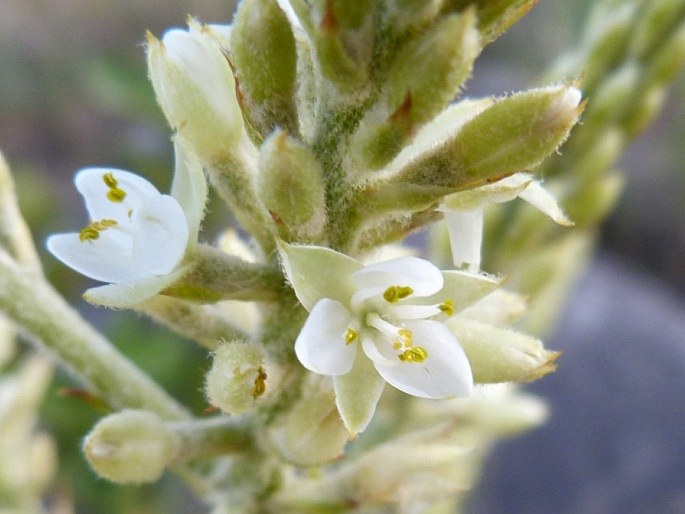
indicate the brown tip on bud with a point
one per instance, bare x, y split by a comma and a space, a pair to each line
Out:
329, 23
281, 140
402, 115
94, 402
277, 219
151, 39
211, 409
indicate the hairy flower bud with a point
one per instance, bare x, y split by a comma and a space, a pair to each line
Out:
238, 377
131, 447
311, 433
263, 52
501, 355
290, 185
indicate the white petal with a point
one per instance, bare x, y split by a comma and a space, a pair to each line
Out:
409, 312
321, 345
160, 235
91, 185
103, 259
445, 373
189, 188
503, 190
419, 274
379, 350
466, 236
124, 296
463, 288
541, 199
357, 394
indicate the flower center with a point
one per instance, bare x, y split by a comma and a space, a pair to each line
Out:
402, 339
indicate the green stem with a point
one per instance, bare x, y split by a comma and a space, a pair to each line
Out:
212, 437
40, 311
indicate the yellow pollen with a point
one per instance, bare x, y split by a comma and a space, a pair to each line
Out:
88, 234
351, 336
447, 307
116, 195
394, 294
102, 224
414, 354
259, 383
109, 180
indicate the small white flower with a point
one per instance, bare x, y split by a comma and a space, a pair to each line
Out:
137, 237
464, 213
386, 314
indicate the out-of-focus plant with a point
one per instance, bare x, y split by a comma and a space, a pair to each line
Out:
333, 129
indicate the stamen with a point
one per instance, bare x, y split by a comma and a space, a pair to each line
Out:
447, 307
406, 337
102, 224
88, 234
259, 383
414, 354
109, 180
394, 294
116, 195
351, 336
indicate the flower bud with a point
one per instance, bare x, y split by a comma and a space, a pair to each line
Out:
595, 199
311, 433
237, 378
426, 74
131, 447
501, 355
515, 133
195, 87
267, 83
493, 17
290, 185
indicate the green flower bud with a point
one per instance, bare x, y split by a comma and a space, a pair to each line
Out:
131, 447
238, 377
291, 188
195, 87
595, 199
311, 433
501, 355
657, 19
263, 52
426, 74
669, 59
515, 133
494, 17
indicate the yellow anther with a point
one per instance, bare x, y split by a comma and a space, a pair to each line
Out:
259, 383
102, 224
116, 195
447, 307
88, 234
394, 294
407, 338
396, 345
351, 336
109, 180
414, 354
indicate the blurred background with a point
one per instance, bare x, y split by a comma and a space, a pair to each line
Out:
74, 93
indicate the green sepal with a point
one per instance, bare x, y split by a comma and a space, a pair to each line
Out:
316, 272
357, 394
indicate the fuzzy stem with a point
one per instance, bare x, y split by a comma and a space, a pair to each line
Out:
43, 314
212, 437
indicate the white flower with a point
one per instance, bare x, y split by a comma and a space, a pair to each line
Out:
464, 213
384, 316
137, 237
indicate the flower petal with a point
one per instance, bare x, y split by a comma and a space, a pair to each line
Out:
160, 235
104, 259
124, 296
445, 373
91, 185
321, 345
189, 188
316, 272
541, 199
419, 274
466, 236
357, 394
